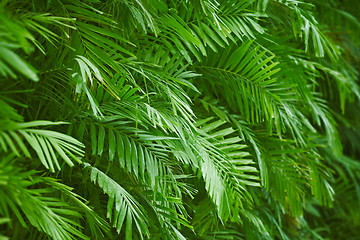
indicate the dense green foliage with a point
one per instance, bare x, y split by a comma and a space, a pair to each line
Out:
188, 119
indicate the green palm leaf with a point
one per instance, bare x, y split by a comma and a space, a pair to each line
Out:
46, 143
126, 206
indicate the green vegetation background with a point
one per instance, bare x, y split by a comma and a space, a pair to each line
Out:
187, 119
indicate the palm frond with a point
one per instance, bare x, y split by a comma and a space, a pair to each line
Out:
48, 214
46, 143
122, 206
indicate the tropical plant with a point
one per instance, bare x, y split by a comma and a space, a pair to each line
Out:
190, 119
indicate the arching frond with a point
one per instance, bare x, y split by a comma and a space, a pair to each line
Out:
45, 142
48, 214
126, 208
